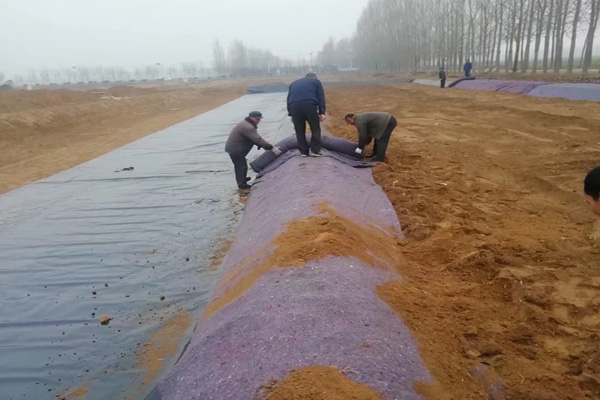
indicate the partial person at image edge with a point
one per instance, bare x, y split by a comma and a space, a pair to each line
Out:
306, 103
239, 143
591, 189
373, 125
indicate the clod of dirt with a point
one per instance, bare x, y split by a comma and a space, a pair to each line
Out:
472, 354
105, 319
162, 297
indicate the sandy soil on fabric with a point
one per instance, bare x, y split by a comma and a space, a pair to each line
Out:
319, 383
505, 257
43, 132
309, 239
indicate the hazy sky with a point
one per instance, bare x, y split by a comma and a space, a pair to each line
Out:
63, 33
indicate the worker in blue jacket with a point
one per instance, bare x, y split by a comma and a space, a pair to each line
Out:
468, 67
306, 103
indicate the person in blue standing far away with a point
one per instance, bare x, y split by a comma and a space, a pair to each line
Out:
468, 67
306, 103
239, 143
591, 190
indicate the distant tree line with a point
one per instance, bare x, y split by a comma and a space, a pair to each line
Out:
238, 60
241, 60
509, 35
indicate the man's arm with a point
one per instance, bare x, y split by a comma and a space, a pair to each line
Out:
252, 135
363, 135
321, 98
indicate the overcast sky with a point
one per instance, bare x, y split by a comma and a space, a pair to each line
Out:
63, 33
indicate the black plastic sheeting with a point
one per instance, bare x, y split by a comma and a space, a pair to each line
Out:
270, 88
102, 238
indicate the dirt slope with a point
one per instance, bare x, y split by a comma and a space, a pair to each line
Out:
44, 132
504, 255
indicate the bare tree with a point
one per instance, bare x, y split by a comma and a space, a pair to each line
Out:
574, 35
219, 59
589, 41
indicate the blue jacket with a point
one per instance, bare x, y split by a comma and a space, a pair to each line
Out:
306, 90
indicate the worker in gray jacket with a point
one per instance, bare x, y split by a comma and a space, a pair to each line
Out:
373, 125
241, 139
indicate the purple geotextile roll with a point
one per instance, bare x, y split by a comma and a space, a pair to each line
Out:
572, 91
324, 313
331, 143
459, 80
493, 85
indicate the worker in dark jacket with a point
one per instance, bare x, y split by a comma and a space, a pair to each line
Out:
241, 139
373, 125
468, 67
306, 103
442, 76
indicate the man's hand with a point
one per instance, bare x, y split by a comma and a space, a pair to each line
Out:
322, 117
276, 150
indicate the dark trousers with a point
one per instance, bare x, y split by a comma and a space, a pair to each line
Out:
301, 114
380, 146
468, 73
443, 83
241, 168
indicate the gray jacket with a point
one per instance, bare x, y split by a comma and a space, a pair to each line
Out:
243, 136
370, 125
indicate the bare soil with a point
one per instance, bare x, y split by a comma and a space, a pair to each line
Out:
43, 132
503, 254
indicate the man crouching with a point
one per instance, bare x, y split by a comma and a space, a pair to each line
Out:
373, 125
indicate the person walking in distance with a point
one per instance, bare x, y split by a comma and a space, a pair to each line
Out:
442, 76
306, 103
241, 139
468, 67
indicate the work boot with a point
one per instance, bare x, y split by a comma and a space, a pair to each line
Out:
248, 179
244, 186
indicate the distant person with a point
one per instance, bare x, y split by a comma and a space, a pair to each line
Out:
468, 67
442, 76
241, 139
306, 103
373, 125
591, 189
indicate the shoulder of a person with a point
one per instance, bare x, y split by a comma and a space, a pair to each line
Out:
246, 125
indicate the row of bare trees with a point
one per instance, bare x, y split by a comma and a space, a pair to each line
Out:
241, 60
495, 34
84, 74
336, 55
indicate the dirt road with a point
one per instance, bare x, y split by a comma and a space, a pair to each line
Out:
505, 261
43, 132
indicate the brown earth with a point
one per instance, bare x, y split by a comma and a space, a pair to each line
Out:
43, 132
162, 345
504, 262
319, 383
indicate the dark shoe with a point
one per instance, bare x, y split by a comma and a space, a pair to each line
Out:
248, 179
244, 186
